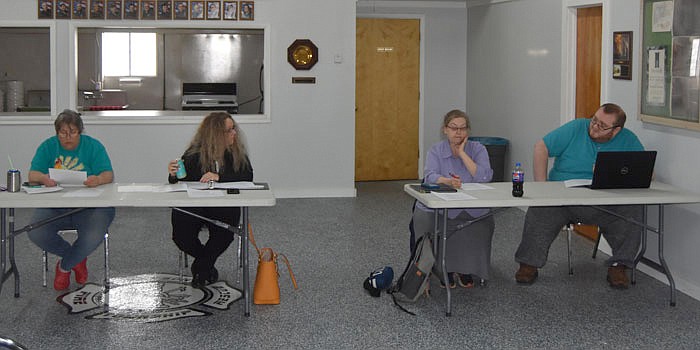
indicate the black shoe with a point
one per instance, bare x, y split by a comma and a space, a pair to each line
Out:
213, 275
199, 280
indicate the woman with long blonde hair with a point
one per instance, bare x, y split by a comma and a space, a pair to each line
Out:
216, 153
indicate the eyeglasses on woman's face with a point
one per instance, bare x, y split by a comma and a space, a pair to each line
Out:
457, 128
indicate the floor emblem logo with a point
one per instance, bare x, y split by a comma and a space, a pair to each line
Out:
150, 298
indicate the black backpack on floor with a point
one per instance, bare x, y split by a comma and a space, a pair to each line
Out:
415, 279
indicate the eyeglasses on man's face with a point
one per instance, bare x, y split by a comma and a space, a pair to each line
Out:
65, 133
456, 128
595, 121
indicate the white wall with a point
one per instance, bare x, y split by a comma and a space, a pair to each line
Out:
518, 95
513, 65
307, 148
444, 53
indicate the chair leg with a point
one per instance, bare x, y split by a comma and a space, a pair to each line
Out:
45, 260
106, 263
569, 229
239, 258
597, 243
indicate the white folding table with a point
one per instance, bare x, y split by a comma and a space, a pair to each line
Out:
111, 197
553, 193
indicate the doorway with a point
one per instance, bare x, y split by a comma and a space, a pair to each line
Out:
387, 99
589, 27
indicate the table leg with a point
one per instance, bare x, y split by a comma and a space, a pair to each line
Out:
246, 272
643, 249
3, 236
13, 265
666, 270
446, 278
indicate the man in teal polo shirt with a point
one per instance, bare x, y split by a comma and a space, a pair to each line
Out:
574, 146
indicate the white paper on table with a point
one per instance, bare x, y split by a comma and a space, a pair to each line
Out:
241, 185
68, 177
178, 187
453, 196
42, 189
577, 182
84, 193
471, 186
194, 193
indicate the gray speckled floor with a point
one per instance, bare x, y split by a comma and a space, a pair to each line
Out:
333, 244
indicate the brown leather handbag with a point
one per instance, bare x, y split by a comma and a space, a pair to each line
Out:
267, 290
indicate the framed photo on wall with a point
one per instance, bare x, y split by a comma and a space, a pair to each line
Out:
80, 9
165, 9
196, 9
214, 10
181, 10
231, 10
45, 9
97, 9
247, 11
114, 9
148, 9
622, 55
62, 9
131, 9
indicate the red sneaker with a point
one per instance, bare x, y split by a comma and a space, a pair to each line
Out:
81, 272
62, 279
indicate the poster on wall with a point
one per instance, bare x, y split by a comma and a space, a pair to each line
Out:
622, 55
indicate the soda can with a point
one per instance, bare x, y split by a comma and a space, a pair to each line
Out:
181, 172
14, 180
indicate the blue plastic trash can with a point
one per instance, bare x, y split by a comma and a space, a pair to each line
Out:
497, 148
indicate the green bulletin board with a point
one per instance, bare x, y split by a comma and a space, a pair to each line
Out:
670, 81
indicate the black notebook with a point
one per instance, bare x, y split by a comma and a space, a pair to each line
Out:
624, 169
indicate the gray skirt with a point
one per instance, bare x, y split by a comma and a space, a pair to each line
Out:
468, 247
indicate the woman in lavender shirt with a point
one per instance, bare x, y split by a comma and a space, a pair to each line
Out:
451, 162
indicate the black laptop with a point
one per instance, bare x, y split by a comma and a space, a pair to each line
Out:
626, 169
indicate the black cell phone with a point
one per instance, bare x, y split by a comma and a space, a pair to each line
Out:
233, 191
31, 184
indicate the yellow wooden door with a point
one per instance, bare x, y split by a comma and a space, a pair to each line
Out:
589, 27
386, 98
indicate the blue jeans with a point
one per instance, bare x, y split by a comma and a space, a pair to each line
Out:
91, 224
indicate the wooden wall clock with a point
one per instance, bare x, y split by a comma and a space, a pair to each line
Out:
302, 54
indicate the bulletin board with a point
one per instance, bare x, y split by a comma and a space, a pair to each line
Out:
670, 82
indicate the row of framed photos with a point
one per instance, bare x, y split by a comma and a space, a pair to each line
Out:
146, 9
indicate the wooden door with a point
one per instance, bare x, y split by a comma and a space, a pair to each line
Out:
386, 98
589, 27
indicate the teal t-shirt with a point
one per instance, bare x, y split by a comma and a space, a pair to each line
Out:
90, 156
575, 152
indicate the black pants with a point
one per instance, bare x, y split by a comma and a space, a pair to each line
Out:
186, 233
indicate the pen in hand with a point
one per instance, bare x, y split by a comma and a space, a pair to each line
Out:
456, 180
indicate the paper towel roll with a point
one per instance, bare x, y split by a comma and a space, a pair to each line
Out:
15, 95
